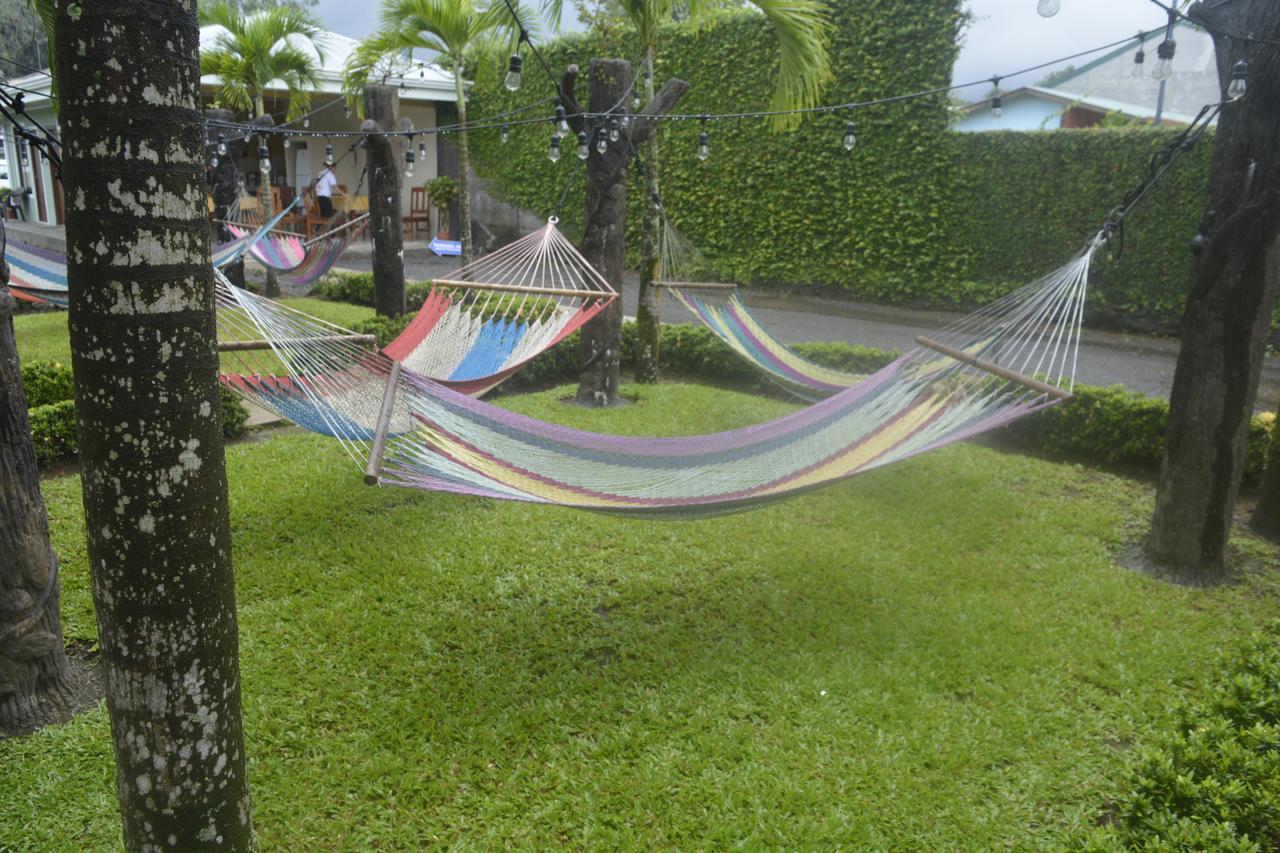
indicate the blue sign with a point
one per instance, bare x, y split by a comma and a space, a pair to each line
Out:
446, 247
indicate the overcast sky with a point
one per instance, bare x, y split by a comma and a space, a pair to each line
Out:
1005, 35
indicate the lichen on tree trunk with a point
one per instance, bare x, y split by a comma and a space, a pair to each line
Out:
1227, 313
144, 354
35, 680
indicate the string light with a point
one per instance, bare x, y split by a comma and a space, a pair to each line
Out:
1139, 58
408, 161
997, 101
286, 142
346, 111
306, 121
704, 149
422, 149
505, 135
264, 159
614, 132
222, 145
328, 155
602, 141
513, 73
554, 154
583, 151
850, 138
1048, 8
1166, 50
1239, 80
562, 123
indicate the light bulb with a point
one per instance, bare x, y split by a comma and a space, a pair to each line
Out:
997, 108
602, 142
328, 155
554, 154
1164, 66
408, 171
850, 138
422, 148
214, 161
265, 168
286, 142
583, 152
505, 134
613, 130
562, 124
306, 122
1138, 59
222, 145
1048, 8
513, 74
346, 111
704, 150
1239, 80
408, 161
635, 101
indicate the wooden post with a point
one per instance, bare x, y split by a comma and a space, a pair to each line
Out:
386, 155
604, 233
1228, 310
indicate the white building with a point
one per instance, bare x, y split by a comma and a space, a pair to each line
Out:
422, 88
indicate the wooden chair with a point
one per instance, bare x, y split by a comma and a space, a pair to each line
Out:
419, 212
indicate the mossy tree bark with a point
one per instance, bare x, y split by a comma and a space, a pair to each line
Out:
144, 355
1228, 310
381, 106
604, 230
35, 679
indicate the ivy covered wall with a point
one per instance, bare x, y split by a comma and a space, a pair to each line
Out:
915, 214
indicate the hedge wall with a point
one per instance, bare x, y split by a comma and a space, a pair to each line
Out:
916, 214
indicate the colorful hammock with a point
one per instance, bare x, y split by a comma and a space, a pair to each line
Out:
474, 329
297, 262
40, 275
685, 273
408, 430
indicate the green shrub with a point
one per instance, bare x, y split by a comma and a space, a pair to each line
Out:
46, 382
234, 414
1213, 783
1118, 427
53, 430
356, 288
385, 329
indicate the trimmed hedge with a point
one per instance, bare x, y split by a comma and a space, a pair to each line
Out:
916, 214
49, 389
1213, 782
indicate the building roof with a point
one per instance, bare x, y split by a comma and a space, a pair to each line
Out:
422, 82
1108, 82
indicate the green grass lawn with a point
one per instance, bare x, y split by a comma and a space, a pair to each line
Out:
938, 655
42, 336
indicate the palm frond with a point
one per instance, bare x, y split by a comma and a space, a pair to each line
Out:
804, 66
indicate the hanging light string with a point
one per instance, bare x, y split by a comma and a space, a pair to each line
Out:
12, 106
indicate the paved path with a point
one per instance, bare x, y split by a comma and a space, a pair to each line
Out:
1138, 362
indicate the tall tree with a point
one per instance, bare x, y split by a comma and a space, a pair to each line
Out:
448, 28
1228, 308
803, 30
144, 353
35, 679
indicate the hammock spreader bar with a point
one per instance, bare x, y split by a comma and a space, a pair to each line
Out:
374, 468
1004, 373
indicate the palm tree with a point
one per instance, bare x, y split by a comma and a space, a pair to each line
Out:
258, 49
446, 27
803, 30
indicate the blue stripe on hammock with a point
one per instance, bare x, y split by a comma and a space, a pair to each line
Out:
41, 273
304, 412
490, 351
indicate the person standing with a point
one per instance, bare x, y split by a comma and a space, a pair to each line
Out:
326, 187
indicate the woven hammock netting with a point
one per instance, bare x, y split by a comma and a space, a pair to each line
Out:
688, 276
973, 376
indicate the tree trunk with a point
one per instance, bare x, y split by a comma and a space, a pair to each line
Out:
651, 247
150, 439
1266, 514
381, 105
464, 168
272, 288
1227, 313
35, 680
604, 239
226, 189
